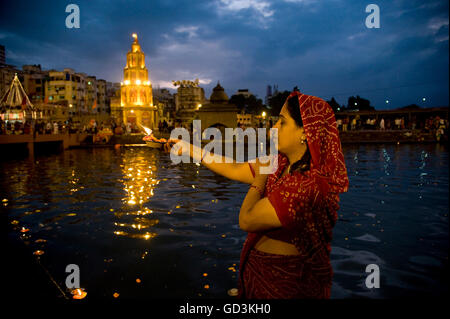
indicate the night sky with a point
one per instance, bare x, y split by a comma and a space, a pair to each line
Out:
321, 46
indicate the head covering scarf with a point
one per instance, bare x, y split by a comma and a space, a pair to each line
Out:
306, 204
327, 158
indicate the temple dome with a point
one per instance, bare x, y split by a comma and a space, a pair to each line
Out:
218, 95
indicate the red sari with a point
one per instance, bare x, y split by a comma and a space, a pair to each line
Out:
306, 204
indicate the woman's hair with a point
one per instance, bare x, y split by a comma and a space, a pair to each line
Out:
294, 111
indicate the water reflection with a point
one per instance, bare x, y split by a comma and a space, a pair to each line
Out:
134, 219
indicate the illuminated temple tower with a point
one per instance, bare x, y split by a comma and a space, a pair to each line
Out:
136, 98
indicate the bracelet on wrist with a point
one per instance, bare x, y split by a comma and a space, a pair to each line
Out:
201, 156
258, 189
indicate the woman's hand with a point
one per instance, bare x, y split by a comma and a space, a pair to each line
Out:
260, 179
170, 143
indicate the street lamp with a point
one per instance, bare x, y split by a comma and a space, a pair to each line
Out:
263, 114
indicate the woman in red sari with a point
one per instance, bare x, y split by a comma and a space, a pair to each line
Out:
289, 215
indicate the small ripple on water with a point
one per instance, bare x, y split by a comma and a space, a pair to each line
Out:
368, 237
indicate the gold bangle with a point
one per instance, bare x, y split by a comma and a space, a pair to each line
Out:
201, 156
261, 192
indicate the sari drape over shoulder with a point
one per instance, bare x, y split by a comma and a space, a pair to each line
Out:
306, 204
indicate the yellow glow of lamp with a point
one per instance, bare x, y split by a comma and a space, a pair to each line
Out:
263, 114
138, 82
127, 82
134, 35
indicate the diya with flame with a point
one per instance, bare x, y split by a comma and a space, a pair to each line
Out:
151, 140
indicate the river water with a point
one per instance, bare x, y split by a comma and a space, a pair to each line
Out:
142, 227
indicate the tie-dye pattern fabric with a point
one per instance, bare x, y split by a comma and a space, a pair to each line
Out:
306, 204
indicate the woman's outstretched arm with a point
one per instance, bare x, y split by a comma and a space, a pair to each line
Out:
219, 164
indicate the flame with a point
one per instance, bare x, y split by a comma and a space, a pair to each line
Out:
78, 293
147, 130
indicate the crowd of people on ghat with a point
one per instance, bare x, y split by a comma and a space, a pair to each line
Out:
434, 125
429, 125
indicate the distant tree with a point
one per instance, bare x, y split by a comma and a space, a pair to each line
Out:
254, 105
250, 104
334, 105
359, 103
276, 102
238, 100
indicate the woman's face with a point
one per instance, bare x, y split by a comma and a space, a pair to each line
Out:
289, 134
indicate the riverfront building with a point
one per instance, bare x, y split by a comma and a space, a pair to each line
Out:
85, 95
188, 100
218, 112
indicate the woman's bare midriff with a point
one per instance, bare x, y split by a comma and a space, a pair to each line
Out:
273, 246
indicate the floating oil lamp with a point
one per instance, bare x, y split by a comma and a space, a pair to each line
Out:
24, 230
38, 252
233, 292
78, 293
232, 269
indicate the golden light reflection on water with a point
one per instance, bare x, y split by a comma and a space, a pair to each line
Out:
139, 182
74, 183
145, 235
